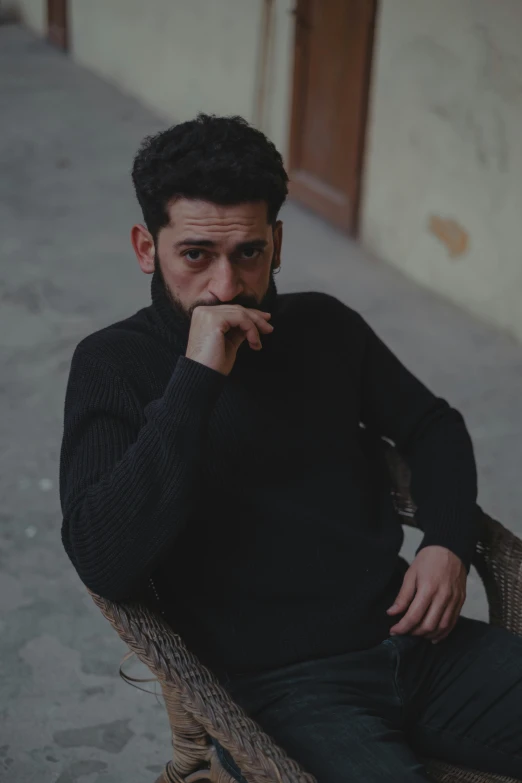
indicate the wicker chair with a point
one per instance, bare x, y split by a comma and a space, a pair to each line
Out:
213, 738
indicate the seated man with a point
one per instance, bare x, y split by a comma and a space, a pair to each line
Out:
214, 462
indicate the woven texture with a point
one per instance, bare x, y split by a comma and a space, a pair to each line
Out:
200, 709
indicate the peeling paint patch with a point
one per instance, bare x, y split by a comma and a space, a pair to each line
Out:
451, 234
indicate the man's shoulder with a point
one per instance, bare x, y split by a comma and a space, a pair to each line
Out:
123, 342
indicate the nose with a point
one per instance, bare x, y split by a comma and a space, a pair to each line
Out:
226, 283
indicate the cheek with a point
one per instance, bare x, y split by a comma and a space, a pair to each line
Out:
186, 284
255, 281
259, 272
263, 276
175, 271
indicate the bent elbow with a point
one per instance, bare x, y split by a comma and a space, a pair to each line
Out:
96, 569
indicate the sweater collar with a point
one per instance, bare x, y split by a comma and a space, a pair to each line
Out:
176, 325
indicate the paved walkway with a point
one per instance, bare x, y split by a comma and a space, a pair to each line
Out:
66, 205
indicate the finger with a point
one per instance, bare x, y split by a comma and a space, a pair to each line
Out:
238, 311
254, 327
238, 320
414, 615
406, 594
248, 310
261, 320
445, 628
448, 622
247, 320
260, 326
264, 327
236, 337
433, 617
252, 334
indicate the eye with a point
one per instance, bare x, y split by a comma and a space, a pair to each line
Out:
194, 255
249, 253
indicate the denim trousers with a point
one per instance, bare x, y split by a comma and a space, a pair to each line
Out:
373, 715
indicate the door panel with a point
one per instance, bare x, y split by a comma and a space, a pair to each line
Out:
333, 49
57, 23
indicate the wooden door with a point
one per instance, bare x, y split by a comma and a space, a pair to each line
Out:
333, 52
57, 22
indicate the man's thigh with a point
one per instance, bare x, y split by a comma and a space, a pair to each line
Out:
331, 731
466, 698
345, 744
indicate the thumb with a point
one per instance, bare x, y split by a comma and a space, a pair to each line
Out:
406, 594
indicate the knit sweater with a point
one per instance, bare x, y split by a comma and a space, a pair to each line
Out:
255, 509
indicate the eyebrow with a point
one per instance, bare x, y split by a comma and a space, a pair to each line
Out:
198, 242
251, 243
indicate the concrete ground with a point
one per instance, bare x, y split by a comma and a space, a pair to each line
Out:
66, 205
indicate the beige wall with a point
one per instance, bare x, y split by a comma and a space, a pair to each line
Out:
34, 14
275, 120
183, 57
443, 190
443, 178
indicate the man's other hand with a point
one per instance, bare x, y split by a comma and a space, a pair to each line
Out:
432, 595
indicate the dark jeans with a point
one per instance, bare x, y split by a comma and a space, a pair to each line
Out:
371, 716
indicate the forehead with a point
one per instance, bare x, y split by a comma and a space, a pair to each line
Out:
203, 218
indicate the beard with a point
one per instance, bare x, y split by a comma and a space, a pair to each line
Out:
265, 304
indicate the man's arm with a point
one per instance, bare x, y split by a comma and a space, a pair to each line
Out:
433, 439
127, 490
127, 487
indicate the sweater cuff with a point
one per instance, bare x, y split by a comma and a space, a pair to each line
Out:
191, 394
458, 532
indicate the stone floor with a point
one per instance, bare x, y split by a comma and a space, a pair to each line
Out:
66, 206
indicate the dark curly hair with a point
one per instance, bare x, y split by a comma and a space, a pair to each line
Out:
223, 160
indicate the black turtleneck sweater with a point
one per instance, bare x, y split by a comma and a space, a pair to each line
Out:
254, 507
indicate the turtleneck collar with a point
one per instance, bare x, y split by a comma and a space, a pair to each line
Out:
176, 325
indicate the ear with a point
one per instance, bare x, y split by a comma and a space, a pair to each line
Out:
144, 247
278, 242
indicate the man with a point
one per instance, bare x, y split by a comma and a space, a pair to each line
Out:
214, 462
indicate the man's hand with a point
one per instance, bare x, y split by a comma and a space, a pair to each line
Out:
432, 595
217, 332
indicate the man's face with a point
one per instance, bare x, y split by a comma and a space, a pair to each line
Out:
210, 254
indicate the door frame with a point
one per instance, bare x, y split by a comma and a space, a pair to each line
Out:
57, 23
298, 189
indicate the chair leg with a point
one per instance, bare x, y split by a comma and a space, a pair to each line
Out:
214, 773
